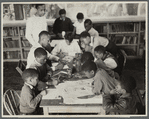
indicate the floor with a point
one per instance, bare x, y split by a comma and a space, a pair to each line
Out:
134, 67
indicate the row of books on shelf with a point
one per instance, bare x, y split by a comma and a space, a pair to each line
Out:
25, 54
101, 28
123, 27
126, 40
13, 31
12, 55
9, 43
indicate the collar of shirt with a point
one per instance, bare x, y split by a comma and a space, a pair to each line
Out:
37, 63
62, 19
31, 87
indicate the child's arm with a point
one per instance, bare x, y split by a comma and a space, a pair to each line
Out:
97, 85
28, 34
33, 101
74, 31
111, 103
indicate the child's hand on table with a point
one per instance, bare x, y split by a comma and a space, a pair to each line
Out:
43, 93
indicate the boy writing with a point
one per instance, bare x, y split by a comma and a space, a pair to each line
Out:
102, 82
79, 25
41, 66
29, 100
62, 23
44, 38
105, 60
120, 100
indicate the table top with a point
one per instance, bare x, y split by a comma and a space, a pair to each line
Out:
72, 93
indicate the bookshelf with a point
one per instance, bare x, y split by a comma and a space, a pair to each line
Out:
128, 33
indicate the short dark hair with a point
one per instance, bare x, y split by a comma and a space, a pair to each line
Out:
62, 11
100, 49
80, 15
128, 83
39, 52
84, 34
44, 33
88, 21
37, 5
89, 66
29, 73
69, 37
87, 56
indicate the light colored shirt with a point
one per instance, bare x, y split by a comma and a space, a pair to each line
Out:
34, 26
71, 49
110, 63
29, 101
93, 32
103, 83
79, 27
31, 57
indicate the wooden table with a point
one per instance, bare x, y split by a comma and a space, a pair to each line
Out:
51, 107
71, 108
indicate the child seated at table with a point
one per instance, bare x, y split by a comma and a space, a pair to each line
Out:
121, 100
86, 56
102, 82
42, 67
66, 50
29, 101
79, 25
105, 60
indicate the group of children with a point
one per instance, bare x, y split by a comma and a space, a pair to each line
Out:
98, 59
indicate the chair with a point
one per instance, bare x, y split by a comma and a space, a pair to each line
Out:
11, 102
20, 67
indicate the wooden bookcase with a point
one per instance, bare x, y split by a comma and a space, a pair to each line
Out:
120, 29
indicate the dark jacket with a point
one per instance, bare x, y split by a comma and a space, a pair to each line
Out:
60, 25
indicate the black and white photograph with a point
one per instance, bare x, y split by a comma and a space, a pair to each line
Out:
74, 59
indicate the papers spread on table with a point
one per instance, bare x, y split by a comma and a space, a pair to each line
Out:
75, 92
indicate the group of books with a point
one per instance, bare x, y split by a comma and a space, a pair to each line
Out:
12, 55
10, 43
125, 40
121, 27
11, 31
101, 28
25, 43
25, 54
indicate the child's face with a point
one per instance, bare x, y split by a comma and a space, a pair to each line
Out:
98, 55
45, 40
86, 40
42, 59
63, 16
89, 74
87, 26
119, 89
80, 20
34, 81
41, 10
67, 42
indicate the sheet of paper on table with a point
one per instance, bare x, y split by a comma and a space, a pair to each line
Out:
71, 90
